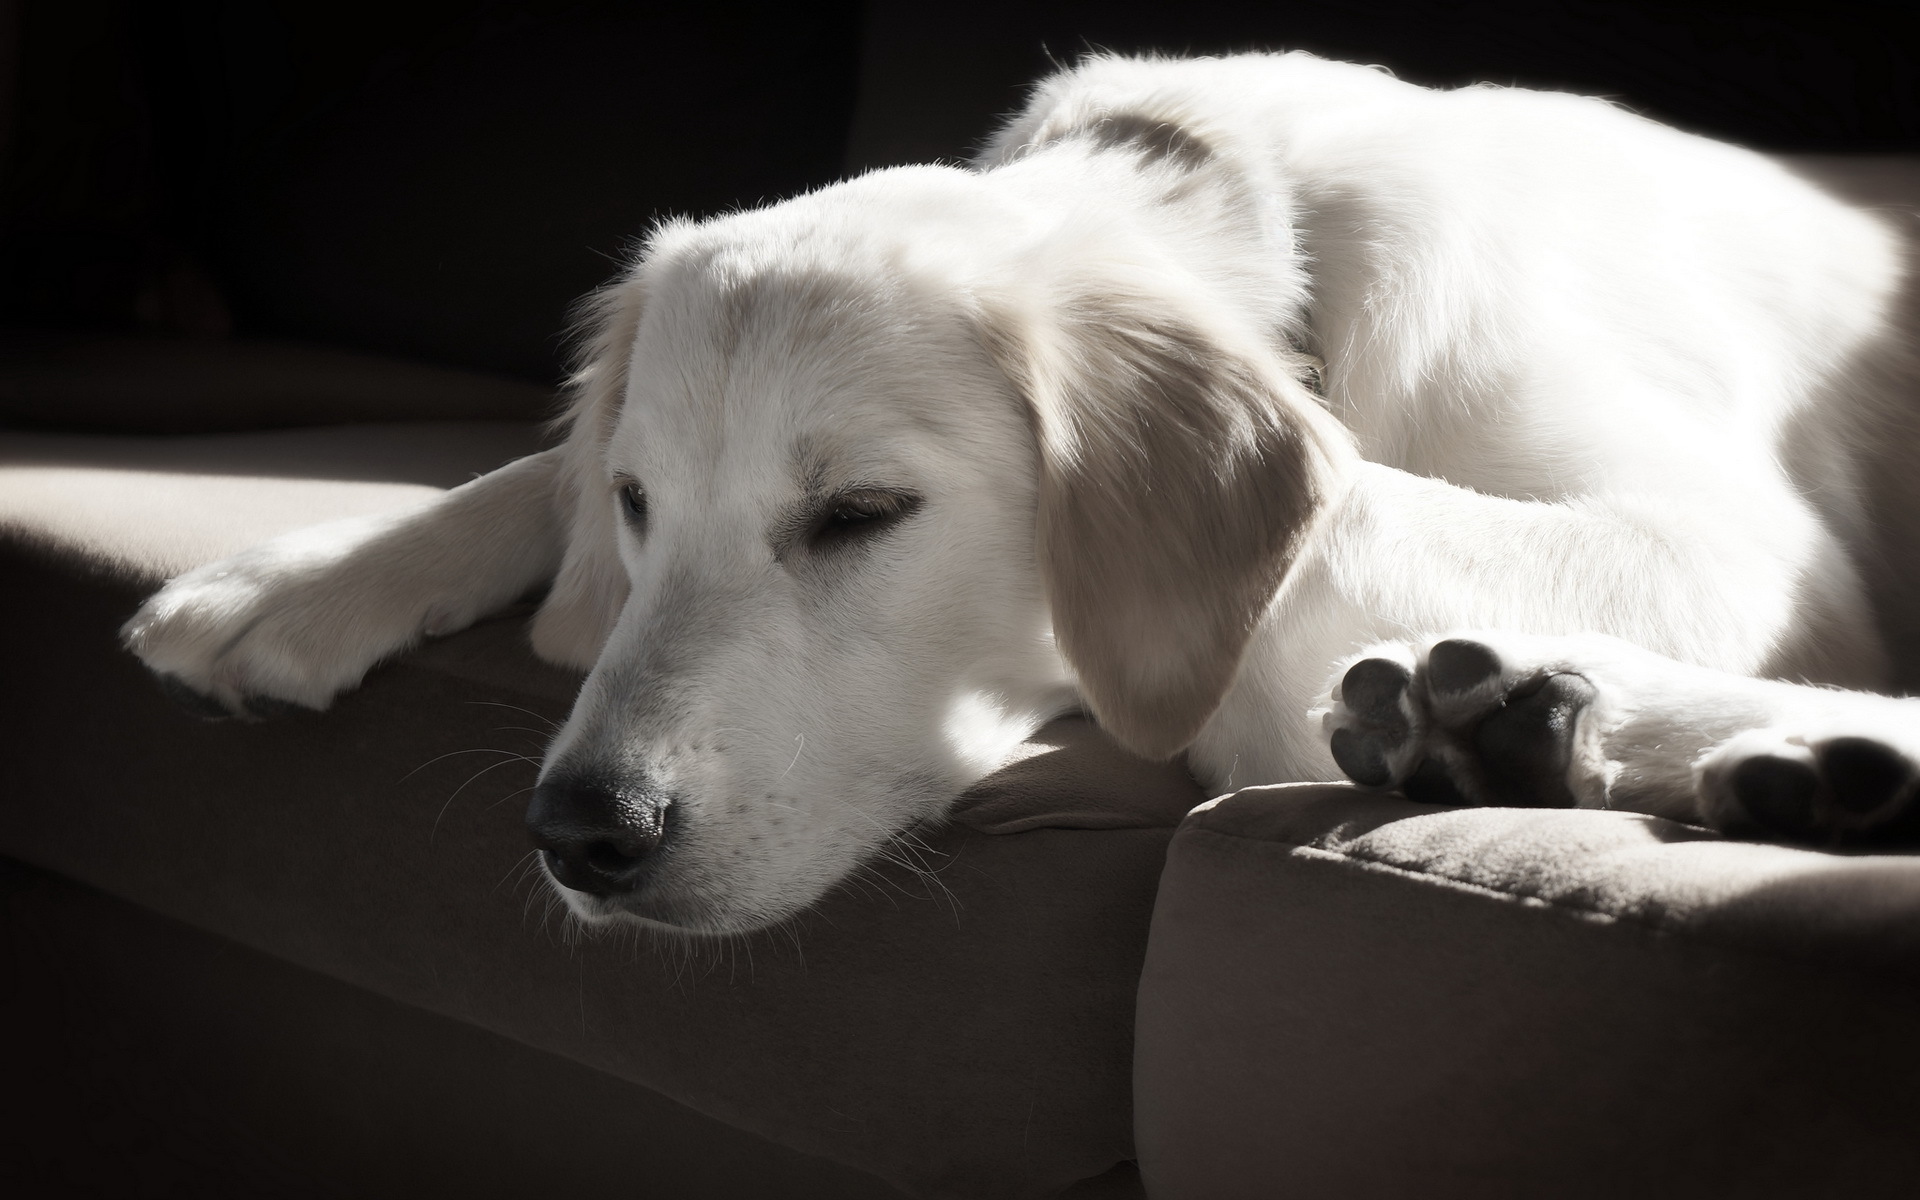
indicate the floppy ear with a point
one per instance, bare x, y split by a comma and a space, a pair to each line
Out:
1181, 465
591, 587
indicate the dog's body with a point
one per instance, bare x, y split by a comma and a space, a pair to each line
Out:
1216, 381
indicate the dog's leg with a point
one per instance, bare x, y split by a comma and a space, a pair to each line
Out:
1591, 721
296, 620
1699, 600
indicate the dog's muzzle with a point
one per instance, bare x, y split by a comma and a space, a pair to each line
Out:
598, 836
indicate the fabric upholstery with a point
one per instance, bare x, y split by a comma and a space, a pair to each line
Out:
149, 508
1355, 995
966, 1033
147, 1058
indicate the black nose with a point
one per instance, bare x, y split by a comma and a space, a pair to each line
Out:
597, 835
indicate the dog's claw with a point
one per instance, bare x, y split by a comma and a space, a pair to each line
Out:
196, 703
266, 708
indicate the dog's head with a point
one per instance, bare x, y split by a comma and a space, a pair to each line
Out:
869, 485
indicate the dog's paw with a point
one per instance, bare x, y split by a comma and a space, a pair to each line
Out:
236, 639
1833, 789
1592, 722
1459, 722
284, 626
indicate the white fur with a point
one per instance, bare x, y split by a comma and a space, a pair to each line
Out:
1582, 375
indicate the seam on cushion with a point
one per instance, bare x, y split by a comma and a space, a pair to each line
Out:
1648, 924
1092, 822
1585, 912
1466, 885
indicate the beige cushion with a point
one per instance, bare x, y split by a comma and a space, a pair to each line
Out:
148, 508
1355, 995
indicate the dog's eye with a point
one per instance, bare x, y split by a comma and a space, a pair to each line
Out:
855, 513
633, 501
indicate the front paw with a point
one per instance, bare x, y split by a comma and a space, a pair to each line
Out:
281, 627
218, 639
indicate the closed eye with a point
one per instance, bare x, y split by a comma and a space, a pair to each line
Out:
856, 515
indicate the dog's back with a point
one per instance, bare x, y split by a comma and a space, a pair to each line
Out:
1578, 278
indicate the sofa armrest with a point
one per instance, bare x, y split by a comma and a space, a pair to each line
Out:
1355, 995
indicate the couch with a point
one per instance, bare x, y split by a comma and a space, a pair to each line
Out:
308, 956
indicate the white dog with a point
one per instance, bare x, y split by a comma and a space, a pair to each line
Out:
1213, 381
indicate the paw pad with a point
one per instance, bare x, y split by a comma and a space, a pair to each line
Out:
1779, 794
1863, 775
1845, 791
1457, 666
1459, 728
1373, 692
1525, 746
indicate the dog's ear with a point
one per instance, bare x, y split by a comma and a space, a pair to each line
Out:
591, 587
1181, 464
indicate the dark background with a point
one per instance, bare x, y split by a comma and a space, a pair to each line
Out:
440, 179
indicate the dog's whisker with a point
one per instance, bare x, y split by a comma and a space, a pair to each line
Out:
518, 868
790, 926
441, 815
510, 795
455, 753
552, 725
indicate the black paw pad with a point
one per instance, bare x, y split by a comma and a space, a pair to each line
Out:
1781, 795
1372, 689
198, 704
1362, 756
1456, 665
1863, 775
1430, 784
1526, 746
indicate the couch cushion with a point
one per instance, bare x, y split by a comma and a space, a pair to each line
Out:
143, 509
962, 1032
1349, 994
163, 1061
